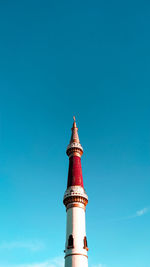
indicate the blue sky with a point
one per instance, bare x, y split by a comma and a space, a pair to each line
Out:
90, 59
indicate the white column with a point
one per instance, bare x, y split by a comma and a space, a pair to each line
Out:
76, 256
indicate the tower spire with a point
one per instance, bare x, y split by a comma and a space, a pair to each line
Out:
74, 136
74, 147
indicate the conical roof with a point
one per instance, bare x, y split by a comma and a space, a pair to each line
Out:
74, 136
74, 145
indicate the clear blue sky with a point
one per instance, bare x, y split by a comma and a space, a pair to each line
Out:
90, 59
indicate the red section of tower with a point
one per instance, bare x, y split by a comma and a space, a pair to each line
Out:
75, 151
75, 172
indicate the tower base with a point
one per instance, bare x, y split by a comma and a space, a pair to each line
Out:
76, 260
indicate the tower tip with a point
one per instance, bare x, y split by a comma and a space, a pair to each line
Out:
74, 145
74, 122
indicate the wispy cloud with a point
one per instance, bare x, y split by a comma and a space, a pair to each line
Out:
31, 245
138, 213
56, 262
142, 212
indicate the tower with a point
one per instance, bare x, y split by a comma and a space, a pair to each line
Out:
75, 200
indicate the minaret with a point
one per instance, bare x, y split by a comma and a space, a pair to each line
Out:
75, 200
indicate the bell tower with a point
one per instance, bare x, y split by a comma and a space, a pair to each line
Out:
75, 200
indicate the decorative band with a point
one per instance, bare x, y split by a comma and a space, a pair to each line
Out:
75, 153
71, 150
71, 199
79, 254
78, 205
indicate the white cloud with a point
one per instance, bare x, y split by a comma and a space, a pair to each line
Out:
56, 262
31, 245
138, 213
142, 212
59, 261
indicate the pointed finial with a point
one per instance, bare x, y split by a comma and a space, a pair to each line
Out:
74, 122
